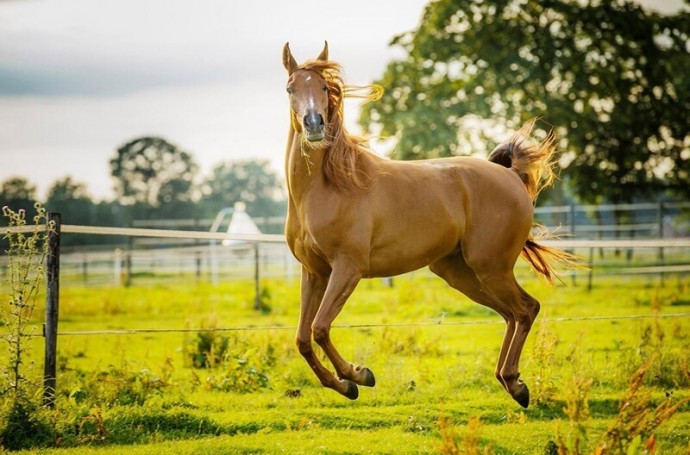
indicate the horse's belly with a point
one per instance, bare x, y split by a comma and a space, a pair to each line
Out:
412, 250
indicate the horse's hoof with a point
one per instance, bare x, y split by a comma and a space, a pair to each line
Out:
352, 391
369, 379
522, 397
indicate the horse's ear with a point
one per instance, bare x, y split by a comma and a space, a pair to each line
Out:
288, 60
324, 53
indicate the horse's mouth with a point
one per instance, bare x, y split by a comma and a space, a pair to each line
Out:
314, 136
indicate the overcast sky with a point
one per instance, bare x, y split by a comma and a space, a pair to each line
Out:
78, 78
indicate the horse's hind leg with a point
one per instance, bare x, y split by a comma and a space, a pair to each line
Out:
500, 292
460, 276
525, 312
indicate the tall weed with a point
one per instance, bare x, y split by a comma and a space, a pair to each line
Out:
638, 417
577, 409
633, 429
543, 364
22, 424
664, 363
469, 443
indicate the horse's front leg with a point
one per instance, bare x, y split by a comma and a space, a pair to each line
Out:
341, 284
313, 288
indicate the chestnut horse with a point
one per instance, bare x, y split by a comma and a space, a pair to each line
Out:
354, 215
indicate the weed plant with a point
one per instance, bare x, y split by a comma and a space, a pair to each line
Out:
22, 424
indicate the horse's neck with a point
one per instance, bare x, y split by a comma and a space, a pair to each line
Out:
303, 166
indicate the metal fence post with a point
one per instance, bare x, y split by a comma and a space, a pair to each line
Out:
52, 305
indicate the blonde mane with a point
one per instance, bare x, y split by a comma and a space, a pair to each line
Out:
343, 149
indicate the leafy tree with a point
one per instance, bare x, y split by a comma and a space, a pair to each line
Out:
177, 199
18, 193
150, 171
72, 200
251, 182
610, 76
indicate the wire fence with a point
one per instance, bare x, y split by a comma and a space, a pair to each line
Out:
439, 323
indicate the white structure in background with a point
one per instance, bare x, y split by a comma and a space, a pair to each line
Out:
240, 223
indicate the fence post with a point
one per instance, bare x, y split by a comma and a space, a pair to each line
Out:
591, 269
660, 221
257, 278
117, 267
572, 234
84, 267
52, 305
128, 262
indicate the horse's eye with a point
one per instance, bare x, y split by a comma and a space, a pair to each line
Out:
324, 88
290, 90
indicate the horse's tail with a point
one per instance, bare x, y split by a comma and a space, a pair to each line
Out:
542, 257
534, 163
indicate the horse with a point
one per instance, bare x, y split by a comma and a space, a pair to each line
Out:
354, 215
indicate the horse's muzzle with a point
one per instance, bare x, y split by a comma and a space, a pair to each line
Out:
313, 126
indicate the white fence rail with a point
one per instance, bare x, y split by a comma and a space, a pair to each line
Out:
200, 255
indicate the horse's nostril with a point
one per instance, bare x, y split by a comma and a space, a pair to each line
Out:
313, 120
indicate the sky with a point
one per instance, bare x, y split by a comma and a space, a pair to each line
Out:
79, 78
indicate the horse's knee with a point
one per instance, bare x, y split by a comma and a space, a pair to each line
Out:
524, 318
532, 306
535, 307
526, 314
320, 334
303, 345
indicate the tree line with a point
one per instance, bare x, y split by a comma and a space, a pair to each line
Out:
155, 179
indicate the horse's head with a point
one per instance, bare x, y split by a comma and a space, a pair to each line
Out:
308, 90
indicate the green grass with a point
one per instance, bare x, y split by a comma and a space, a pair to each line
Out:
139, 394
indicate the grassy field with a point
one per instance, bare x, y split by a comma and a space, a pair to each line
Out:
432, 350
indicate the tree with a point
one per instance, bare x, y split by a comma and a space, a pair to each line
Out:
610, 77
177, 198
150, 171
251, 182
18, 193
72, 200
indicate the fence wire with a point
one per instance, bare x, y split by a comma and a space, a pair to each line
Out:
439, 323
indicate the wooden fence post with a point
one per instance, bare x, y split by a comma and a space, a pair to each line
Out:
52, 304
